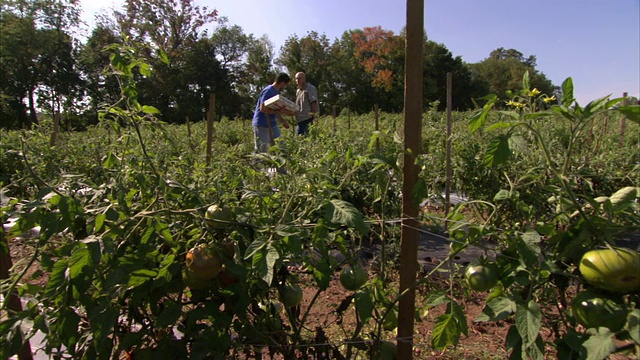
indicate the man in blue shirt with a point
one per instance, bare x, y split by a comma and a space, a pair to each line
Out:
265, 127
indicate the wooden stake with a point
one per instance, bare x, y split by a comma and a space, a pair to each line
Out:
623, 121
412, 139
56, 128
375, 110
447, 184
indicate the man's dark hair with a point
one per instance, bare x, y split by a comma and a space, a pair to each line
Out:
282, 77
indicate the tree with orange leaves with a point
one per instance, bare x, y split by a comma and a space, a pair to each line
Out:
378, 51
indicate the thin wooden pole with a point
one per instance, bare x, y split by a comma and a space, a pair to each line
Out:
56, 128
412, 139
189, 135
447, 184
377, 124
623, 121
211, 113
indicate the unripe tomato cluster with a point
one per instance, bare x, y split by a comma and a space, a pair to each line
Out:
611, 272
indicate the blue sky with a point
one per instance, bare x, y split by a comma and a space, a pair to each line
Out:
595, 42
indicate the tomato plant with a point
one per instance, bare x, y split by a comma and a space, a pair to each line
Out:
612, 269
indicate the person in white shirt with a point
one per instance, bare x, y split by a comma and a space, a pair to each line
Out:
307, 101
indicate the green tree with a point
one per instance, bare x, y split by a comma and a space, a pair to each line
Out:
93, 60
173, 28
231, 46
257, 72
346, 85
503, 71
438, 61
310, 54
18, 70
38, 56
204, 75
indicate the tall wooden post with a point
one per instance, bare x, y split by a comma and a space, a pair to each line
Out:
211, 113
623, 121
56, 128
447, 183
412, 139
377, 124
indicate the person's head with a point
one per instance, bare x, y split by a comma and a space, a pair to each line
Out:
301, 79
281, 81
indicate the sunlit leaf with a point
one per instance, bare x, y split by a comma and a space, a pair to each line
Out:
567, 93
498, 151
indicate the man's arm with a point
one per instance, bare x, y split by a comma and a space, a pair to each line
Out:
313, 99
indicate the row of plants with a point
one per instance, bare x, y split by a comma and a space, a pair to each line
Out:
151, 251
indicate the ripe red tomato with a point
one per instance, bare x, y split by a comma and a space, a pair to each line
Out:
353, 277
616, 270
481, 277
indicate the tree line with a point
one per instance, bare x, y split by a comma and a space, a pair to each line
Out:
195, 52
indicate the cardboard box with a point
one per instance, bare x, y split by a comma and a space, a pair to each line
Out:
280, 102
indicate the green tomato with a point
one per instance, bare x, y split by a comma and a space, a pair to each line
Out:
218, 217
481, 277
592, 309
291, 295
616, 270
353, 277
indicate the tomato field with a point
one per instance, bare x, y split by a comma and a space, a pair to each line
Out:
147, 249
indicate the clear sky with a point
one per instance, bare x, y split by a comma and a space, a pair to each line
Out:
595, 42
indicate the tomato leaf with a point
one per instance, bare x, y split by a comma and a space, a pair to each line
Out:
253, 248
364, 305
150, 110
479, 117
497, 309
449, 326
498, 151
140, 276
344, 213
633, 325
600, 345
528, 322
631, 112
322, 273
567, 92
78, 260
